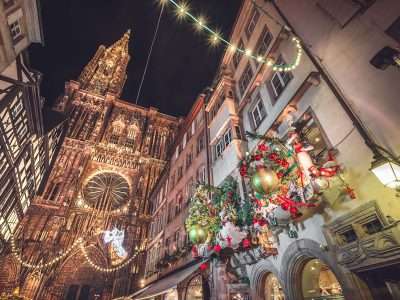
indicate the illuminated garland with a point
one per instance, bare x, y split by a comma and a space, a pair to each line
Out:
182, 11
43, 265
78, 242
106, 270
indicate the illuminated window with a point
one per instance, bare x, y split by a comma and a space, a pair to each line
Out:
195, 289
319, 282
272, 288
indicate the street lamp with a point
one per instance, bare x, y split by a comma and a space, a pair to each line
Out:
387, 170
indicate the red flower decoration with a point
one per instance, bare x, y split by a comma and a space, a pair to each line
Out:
284, 163
257, 157
217, 248
246, 243
203, 266
262, 147
273, 156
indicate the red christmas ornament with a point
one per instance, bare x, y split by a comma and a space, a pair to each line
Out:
246, 243
262, 147
285, 206
203, 266
273, 156
279, 174
284, 163
230, 194
257, 157
217, 248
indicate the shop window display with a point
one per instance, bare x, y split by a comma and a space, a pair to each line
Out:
195, 289
273, 290
319, 282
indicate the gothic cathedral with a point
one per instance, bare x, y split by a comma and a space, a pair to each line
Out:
112, 155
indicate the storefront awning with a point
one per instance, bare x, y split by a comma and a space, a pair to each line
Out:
164, 285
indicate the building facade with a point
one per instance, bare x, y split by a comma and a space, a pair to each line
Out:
29, 134
97, 190
169, 256
339, 251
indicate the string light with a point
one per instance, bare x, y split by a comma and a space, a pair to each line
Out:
102, 269
182, 11
47, 264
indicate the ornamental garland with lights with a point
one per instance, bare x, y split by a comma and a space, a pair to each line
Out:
182, 12
79, 242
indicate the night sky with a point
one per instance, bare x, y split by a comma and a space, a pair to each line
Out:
182, 64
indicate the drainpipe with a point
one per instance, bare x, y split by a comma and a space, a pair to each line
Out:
207, 92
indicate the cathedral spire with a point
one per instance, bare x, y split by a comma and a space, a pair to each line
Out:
106, 71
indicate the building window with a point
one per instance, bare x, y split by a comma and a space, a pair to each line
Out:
130, 142
238, 54
223, 142
200, 143
245, 79
201, 174
255, 15
180, 172
394, 30
263, 42
279, 81
312, 133
114, 139
16, 31
373, 226
189, 158
258, 113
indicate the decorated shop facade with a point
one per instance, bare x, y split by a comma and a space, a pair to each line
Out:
297, 208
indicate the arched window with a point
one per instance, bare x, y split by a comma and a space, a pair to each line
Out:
272, 288
319, 282
195, 289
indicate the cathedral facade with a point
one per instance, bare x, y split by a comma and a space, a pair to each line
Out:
111, 157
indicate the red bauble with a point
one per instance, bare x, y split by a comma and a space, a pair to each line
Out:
285, 206
273, 156
280, 175
262, 147
217, 248
246, 243
203, 266
257, 157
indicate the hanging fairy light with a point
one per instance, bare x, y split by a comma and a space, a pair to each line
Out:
50, 263
106, 270
215, 38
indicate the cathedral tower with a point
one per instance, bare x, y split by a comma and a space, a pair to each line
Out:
112, 155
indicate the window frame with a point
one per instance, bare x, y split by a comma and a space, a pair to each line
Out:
245, 79
262, 112
252, 22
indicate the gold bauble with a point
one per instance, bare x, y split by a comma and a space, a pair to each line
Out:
265, 181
